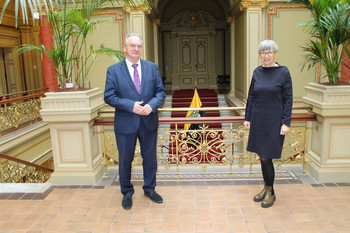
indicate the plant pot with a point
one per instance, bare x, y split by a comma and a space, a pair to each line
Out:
76, 148
328, 147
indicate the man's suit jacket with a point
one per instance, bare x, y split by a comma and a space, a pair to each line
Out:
120, 93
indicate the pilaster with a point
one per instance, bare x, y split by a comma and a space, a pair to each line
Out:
254, 24
156, 23
232, 20
26, 33
136, 18
175, 76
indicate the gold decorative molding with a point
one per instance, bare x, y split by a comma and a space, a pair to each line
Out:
156, 21
142, 7
273, 11
245, 4
231, 19
118, 16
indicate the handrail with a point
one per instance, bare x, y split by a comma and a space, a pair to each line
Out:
226, 119
22, 92
22, 98
25, 162
209, 109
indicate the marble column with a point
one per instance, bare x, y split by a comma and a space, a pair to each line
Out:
48, 65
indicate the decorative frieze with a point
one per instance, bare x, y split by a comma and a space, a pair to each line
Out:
193, 20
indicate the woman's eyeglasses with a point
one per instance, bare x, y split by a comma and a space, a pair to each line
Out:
264, 53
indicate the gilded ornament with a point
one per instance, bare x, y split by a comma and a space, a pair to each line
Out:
245, 4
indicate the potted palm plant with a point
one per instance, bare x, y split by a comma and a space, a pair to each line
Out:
71, 24
70, 114
330, 35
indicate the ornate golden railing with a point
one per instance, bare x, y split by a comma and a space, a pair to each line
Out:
208, 146
17, 111
14, 170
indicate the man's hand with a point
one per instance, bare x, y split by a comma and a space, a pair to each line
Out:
138, 108
284, 130
147, 109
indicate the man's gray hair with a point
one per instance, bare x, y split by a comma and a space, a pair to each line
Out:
268, 44
132, 34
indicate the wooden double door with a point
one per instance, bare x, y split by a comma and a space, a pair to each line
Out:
193, 62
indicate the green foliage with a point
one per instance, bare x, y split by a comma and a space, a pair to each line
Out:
330, 35
71, 22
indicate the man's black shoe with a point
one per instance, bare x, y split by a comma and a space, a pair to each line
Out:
155, 197
127, 202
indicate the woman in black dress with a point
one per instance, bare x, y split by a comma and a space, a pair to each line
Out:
268, 115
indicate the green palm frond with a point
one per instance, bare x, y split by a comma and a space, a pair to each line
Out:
330, 35
71, 22
115, 54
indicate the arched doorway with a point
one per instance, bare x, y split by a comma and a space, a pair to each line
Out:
194, 43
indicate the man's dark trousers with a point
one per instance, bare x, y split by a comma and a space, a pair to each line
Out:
148, 142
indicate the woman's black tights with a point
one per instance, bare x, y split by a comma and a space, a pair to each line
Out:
268, 172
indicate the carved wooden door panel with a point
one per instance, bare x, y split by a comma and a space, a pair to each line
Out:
9, 72
193, 61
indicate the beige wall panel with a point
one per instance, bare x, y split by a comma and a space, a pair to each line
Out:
110, 32
240, 57
71, 145
285, 30
316, 138
339, 141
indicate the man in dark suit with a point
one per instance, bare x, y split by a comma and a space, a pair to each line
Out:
135, 89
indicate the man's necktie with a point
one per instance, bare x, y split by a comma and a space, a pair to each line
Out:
137, 81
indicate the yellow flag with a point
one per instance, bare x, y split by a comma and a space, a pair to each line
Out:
196, 103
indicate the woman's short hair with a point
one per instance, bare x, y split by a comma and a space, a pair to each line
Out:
268, 44
132, 34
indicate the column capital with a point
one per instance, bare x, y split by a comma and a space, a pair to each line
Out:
231, 19
245, 4
142, 7
25, 27
156, 21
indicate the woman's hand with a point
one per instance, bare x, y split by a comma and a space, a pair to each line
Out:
246, 124
284, 129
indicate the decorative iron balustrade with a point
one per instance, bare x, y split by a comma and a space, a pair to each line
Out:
20, 110
206, 146
14, 170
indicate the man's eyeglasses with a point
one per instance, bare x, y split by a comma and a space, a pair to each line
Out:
133, 46
264, 53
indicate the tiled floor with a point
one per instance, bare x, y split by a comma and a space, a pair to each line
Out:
303, 207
